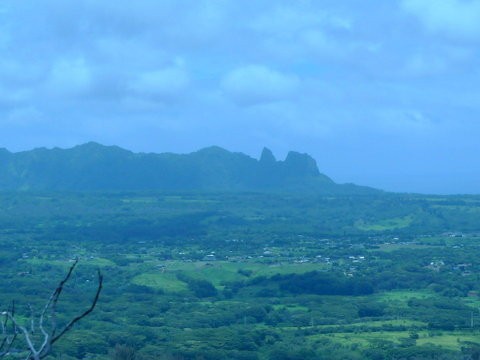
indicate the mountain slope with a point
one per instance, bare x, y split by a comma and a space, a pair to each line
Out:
94, 167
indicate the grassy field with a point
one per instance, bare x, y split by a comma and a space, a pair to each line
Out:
403, 295
451, 341
166, 281
85, 262
216, 272
386, 224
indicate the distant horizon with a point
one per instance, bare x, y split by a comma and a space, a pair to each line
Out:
254, 156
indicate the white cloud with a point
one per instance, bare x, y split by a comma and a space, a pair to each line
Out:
421, 65
254, 84
162, 84
458, 18
315, 39
439, 59
11, 97
286, 21
293, 31
70, 77
402, 121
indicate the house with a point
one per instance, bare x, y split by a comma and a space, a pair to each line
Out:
209, 257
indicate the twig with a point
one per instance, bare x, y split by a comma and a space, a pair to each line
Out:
50, 308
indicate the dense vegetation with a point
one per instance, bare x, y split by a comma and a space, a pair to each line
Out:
94, 167
251, 276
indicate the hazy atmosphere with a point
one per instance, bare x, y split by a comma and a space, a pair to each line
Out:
240, 179
380, 93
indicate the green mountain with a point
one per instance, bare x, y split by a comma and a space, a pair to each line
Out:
94, 167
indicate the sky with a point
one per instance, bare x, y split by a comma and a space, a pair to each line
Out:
380, 93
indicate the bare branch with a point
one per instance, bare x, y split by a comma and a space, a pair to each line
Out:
25, 333
49, 311
85, 313
54, 298
32, 319
7, 344
8, 339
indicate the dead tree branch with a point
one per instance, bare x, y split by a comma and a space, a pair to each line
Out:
11, 328
7, 337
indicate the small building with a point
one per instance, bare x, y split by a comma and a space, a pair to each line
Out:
209, 257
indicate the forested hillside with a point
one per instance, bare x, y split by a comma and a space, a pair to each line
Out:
94, 167
252, 276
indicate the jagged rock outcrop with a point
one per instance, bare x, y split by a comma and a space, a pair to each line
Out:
267, 157
95, 167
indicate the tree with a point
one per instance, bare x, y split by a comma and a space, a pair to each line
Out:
11, 328
123, 352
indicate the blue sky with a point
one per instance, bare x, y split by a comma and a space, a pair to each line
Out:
381, 93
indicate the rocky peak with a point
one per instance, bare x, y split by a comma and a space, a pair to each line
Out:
267, 157
301, 164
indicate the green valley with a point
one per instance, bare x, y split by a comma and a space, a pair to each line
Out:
251, 275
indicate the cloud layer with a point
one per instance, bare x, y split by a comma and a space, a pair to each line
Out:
255, 84
381, 93
456, 18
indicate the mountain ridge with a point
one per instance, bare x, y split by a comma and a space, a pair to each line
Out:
95, 167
